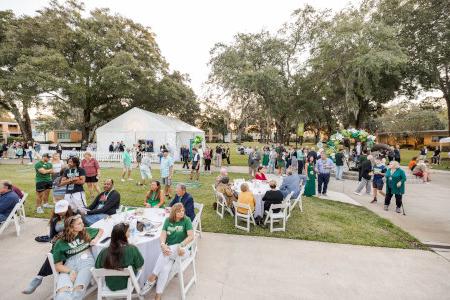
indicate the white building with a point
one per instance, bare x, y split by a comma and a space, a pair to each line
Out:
141, 126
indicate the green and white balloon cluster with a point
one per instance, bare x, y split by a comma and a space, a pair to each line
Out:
351, 133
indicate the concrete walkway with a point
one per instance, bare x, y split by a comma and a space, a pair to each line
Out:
244, 267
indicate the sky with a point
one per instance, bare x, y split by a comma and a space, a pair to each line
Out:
186, 30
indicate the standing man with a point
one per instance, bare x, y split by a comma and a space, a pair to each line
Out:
111, 147
44, 170
195, 165
397, 153
339, 164
323, 168
166, 169
379, 169
126, 159
74, 178
202, 154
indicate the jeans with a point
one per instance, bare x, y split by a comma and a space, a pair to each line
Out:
164, 265
322, 184
339, 172
82, 264
387, 199
3, 218
364, 183
91, 219
300, 165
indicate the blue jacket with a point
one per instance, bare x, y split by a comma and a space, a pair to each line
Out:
291, 183
188, 203
7, 202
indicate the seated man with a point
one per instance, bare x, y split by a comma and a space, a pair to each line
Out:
223, 173
225, 188
273, 196
291, 183
8, 199
105, 204
186, 199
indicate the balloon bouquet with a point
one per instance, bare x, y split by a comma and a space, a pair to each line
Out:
347, 135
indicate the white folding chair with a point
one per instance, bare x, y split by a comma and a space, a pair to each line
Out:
14, 216
288, 202
104, 292
298, 200
274, 217
197, 223
89, 290
247, 217
21, 212
214, 188
181, 265
222, 206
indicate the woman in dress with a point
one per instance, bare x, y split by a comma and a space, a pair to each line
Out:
259, 175
265, 160
281, 163
154, 197
310, 188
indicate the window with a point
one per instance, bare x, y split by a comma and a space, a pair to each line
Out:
63, 135
436, 138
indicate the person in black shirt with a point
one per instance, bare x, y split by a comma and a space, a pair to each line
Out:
339, 157
105, 204
74, 178
366, 176
273, 196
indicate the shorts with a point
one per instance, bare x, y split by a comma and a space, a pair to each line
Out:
127, 167
195, 165
77, 201
378, 184
91, 179
166, 181
146, 174
43, 186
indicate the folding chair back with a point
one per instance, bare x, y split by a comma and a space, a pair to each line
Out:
280, 216
14, 216
247, 217
104, 292
197, 223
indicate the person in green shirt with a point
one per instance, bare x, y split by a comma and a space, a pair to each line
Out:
126, 159
395, 185
154, 197
119, 255
176, 233
73, 258
44, 171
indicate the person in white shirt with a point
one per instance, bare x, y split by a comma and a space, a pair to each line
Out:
145, 168
195, 164
200, 152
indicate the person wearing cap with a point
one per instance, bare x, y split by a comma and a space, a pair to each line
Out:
61, 212
166, 169
105, 204
44, 171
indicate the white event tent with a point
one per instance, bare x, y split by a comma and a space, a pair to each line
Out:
140, 125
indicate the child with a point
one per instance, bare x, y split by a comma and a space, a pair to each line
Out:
378, 174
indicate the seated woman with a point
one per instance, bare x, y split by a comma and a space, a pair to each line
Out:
155, 196
73, 258
61, 212
421, 170
412, 163
225, 188
246, 197
259, 175
273, 196
176, 234
119, 255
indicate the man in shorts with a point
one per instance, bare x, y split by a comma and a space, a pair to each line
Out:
74, 177
379, 169
166, 172
44, 170
145, 168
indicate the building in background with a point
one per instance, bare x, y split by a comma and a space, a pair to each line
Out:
429, 138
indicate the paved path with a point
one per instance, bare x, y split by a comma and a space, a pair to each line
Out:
243, 267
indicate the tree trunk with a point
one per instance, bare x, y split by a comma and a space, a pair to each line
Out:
447, 100
23, 119
86, 128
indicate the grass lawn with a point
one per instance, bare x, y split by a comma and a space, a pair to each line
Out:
241, 160
322, 220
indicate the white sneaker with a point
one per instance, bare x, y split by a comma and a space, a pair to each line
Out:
39, 210
46, 205
130, 179
123, 180
356, 193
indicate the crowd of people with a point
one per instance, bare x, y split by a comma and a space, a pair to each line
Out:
20, 150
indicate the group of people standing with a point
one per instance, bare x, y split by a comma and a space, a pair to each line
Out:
20, 150
202, 158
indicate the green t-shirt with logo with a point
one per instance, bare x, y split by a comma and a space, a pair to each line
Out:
63, 249
43, 177
131, 257
177, 231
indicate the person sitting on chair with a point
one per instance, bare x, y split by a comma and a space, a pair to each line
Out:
119, 255
259, 175
186, 199
8, 200
105, 204
246, 197
224, 188
273, 196
291, 183
223, 173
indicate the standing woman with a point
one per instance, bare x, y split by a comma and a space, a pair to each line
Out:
272, 160
228, 155
57, 165
207, 155
120, 254
154, 197
395, 185
310, 188
176, 234
73, 258
265, 160
92, 169
281, 163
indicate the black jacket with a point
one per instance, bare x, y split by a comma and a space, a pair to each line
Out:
272, 197
112, 203
366, 168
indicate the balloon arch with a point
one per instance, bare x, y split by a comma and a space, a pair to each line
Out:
344, 138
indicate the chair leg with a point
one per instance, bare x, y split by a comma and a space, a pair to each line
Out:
183, 292
200, 227
17, 225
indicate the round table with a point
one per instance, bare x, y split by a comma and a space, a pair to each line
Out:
258, 189
148, 246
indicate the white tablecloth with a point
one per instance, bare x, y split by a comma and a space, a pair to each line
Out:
148, 246
258, 189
